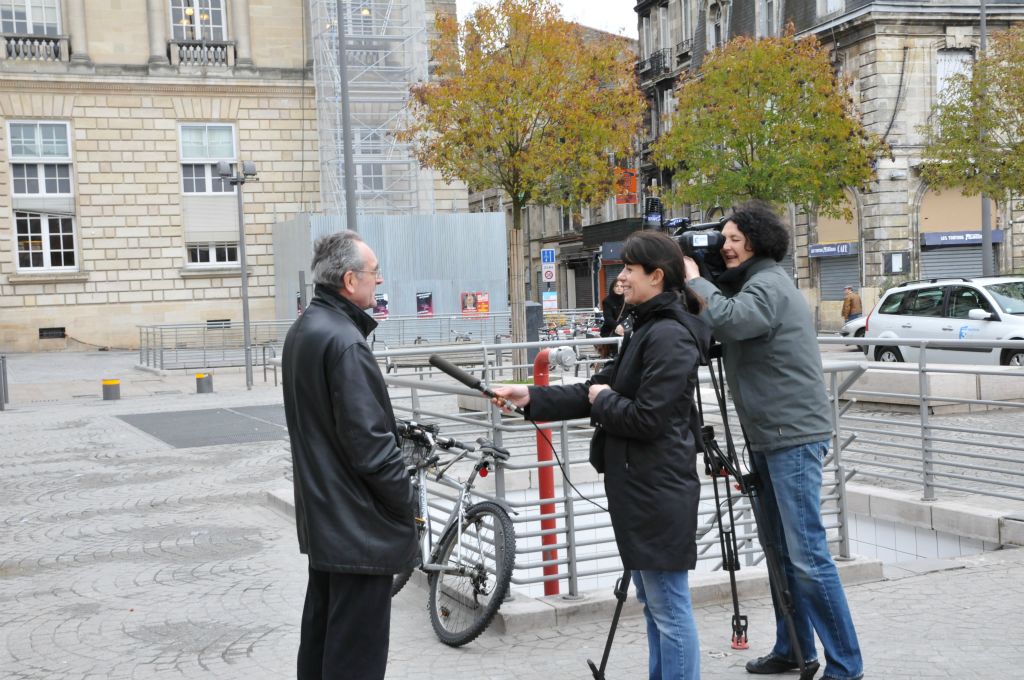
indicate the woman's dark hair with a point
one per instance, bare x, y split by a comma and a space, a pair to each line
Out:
657, 250
766, 234
611, 288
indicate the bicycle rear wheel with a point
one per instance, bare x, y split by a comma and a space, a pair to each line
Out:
465, 596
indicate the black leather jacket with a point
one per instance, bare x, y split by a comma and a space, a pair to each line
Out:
354, 504
649, 425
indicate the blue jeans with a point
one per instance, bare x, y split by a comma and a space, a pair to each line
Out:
790, 497
672, 644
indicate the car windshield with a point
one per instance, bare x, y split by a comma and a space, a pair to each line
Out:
1009, 296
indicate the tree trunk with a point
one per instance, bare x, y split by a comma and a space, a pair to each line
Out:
517, 287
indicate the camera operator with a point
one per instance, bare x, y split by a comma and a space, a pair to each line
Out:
645, 422
773, 367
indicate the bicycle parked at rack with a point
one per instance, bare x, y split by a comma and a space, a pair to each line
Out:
469, 569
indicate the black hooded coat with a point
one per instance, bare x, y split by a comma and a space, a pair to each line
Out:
646, 433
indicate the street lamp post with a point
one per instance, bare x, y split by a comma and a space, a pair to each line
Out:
237, 180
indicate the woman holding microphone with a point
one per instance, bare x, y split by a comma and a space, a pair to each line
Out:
645, 442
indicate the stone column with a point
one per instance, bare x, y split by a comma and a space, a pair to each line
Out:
156, 13
240, 32
76, 27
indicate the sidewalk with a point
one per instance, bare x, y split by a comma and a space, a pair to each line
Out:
126, 557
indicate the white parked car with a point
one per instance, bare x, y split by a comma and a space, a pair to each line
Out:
989, 308
854, 328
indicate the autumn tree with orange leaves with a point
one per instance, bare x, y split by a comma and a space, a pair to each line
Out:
520, 102
767, 119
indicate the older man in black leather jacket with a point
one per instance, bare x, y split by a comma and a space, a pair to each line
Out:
353, 500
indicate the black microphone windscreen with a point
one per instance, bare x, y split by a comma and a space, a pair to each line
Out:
454, 371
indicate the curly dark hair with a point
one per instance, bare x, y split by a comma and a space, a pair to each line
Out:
766, 233
657, 250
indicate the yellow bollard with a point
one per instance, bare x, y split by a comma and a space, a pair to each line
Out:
111, 389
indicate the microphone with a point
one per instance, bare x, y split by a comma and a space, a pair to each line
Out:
469, 381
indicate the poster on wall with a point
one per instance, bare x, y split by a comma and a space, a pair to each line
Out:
549, 300
380, 305
483, 303
468, 304
425, 304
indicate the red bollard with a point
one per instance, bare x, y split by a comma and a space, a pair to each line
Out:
546, 480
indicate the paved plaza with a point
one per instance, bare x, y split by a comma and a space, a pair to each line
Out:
131, 555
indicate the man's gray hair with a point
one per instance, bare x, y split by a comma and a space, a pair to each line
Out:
333, 255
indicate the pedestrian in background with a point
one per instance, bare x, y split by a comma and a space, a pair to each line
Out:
646, 434
354, 505
773, 367
614, 311
852, 307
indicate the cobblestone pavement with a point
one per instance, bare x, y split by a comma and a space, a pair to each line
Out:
123, 557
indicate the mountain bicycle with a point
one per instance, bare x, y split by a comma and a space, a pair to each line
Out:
469, 569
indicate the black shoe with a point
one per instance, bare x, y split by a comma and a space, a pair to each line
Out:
771, 664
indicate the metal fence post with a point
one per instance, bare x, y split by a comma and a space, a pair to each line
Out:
499, 475
3, 382
161, 349
570, 517
927, 468
837, 459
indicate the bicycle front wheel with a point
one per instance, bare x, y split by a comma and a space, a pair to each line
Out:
465, 596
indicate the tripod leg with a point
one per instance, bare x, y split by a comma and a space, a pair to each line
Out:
777, 580
621, 588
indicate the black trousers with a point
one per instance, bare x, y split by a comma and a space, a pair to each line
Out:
346, 622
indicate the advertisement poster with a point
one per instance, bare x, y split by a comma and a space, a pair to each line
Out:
424, 304
380, 306
475, 303
549, 300
468, 304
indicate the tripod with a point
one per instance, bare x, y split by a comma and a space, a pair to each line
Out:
720, 466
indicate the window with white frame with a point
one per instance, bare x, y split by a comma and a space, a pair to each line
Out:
208, 208
30, 17
766, 18
198, 20
369, 175
203, 145
212, 253
947, 64
42, 191
715, 25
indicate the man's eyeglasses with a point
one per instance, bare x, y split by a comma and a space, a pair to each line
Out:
377, 273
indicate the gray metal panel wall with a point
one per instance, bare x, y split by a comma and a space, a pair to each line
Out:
292, 253
944, 263
835, 273
444, 254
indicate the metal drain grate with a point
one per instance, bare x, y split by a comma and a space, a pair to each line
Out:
213, 427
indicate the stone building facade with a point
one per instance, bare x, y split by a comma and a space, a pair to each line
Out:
898, 55
112, 213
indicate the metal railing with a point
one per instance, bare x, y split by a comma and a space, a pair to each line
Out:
936, 427
188, 346
587, 554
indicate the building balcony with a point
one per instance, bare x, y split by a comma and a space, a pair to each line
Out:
656, 66
202, 53
46, 48
684, 51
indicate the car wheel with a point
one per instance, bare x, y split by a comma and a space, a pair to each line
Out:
888, 354
860, 334
1013, 357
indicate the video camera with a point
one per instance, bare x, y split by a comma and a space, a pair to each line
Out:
701, 241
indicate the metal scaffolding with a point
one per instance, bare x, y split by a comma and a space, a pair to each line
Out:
386, 46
